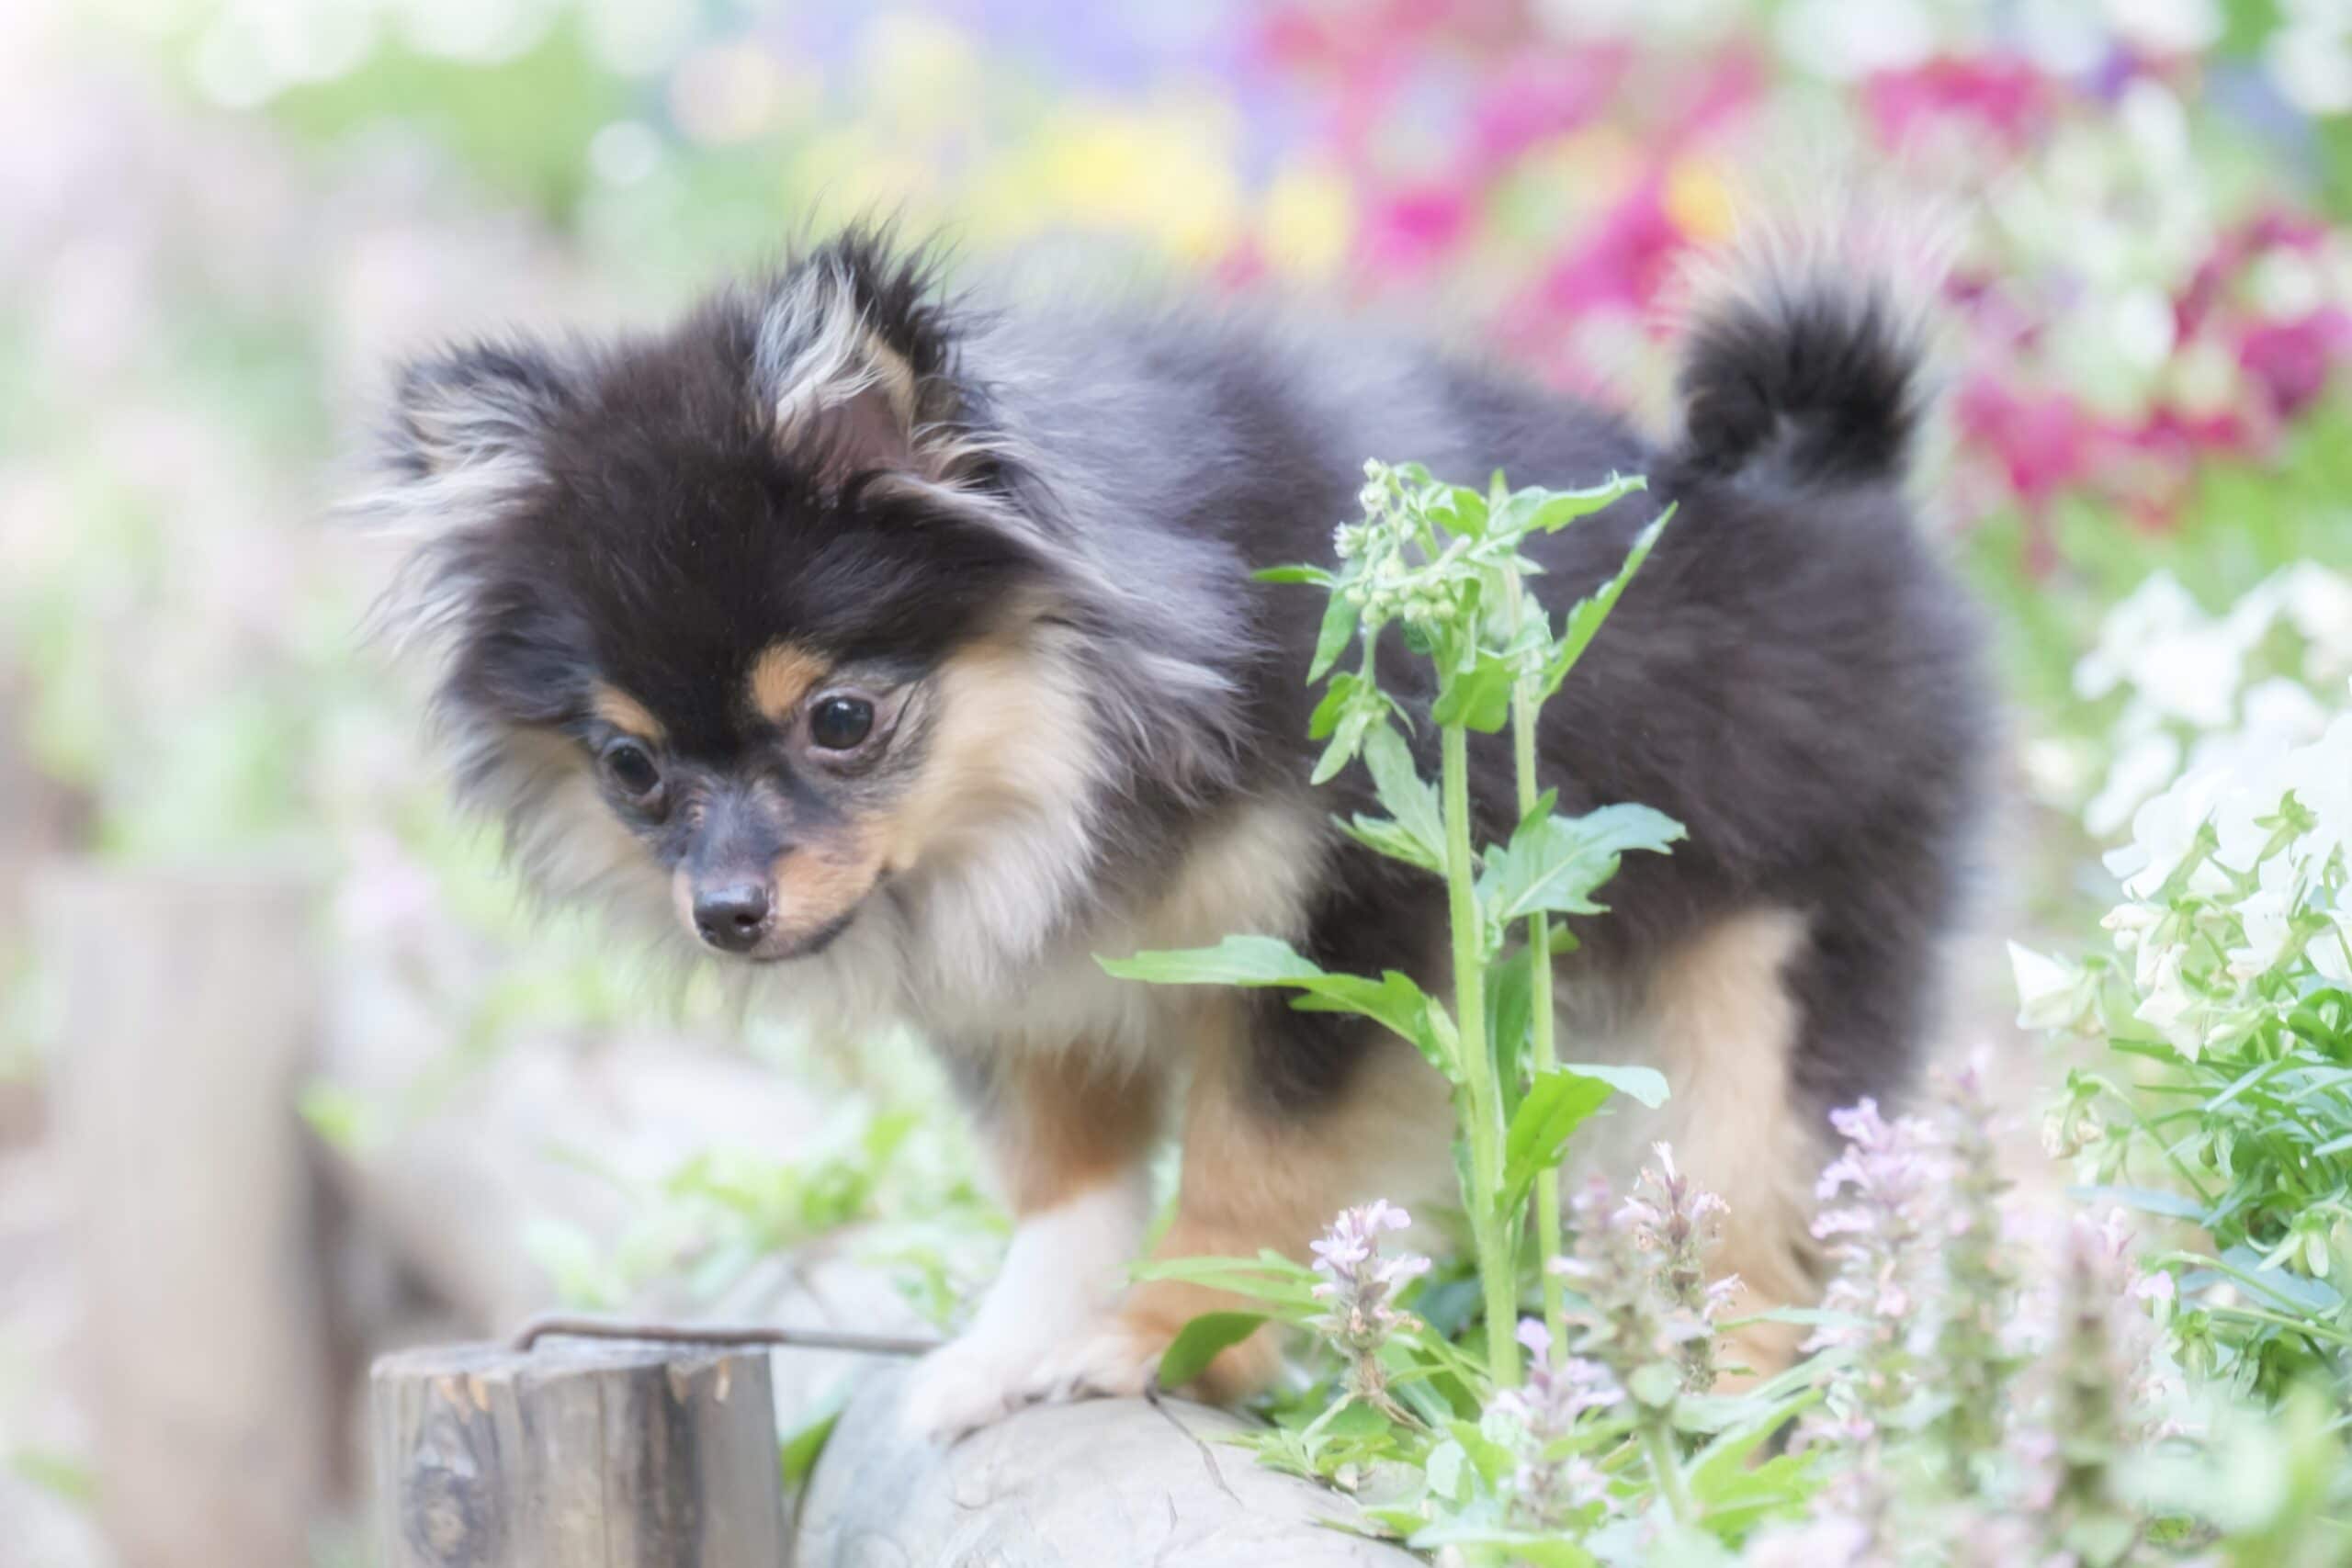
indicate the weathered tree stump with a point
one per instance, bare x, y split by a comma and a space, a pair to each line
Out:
576, 1454
1090, 1485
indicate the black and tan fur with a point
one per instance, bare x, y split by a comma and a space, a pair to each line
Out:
1022, 537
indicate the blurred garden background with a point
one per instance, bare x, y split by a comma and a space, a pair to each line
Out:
221, 220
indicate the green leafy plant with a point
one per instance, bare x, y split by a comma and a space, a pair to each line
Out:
1445, 566
1960, 1401
2223, 1098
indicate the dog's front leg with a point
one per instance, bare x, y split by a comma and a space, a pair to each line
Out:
1068, 1143
1269, 1157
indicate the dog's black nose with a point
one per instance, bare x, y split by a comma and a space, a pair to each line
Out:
732, 918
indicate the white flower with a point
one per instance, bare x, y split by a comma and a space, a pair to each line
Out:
2164, 833
2158, 609
2050, 994
2319, 602
2145, 764
2169, 1006
2267, 915
2331, 952
2321, 776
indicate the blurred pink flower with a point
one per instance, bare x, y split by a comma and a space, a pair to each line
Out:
1623, 262
1997, 93
1536, 96
2044, 443
2290, 360
1411, 230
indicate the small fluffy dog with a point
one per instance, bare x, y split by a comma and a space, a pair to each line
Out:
910, 647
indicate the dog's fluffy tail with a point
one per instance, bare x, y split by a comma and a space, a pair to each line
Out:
1806, 350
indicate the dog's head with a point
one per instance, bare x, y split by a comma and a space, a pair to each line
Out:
741, 622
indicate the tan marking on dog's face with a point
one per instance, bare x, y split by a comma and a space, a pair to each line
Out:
816, 883
627, 714
1009, 740
781, 676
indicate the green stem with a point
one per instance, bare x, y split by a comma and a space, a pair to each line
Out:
1524, 705
1483, 1112
1666, 1467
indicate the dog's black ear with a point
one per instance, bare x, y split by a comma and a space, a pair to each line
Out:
481, 409
855, 358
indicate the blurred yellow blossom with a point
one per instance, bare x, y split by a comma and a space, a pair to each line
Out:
1309, 218
1698, 201
1161, 171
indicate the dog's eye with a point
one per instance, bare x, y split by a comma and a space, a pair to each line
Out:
631, 769
838, 724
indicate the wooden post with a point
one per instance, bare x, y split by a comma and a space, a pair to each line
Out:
577, 1454
187, 1014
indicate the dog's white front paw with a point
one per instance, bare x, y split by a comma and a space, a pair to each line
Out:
1061, 1282
976, 1382
1111, 1359
964, 1385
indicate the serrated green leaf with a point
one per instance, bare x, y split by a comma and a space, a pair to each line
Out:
1492, 1459
1656, 1384
1510, 999
1557, 862
1235, 961
1350, 707
1285, 1287
1545, 804
1646, 1085
1199, 1341
1478, 697
1461, 511
1336, 698
1347, 737
1339, 630
1553, 510
1728, 1456
1392, 999
1448, 1473
1407, 795
1555, 1105
1390, 838
1586, 618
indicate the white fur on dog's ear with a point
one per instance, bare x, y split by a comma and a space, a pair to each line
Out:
482, 405
853, 358
464, 438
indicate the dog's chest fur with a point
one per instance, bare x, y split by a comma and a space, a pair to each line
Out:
987, 956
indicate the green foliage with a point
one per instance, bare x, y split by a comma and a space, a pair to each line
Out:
1198, 1342
1444, 564
522, 125
2226, 1102
1940, 1416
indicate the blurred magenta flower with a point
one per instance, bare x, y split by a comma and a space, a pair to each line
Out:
1623, 262
2291, 361
1536, 96
1413, 229
2042, 442
1997, 93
